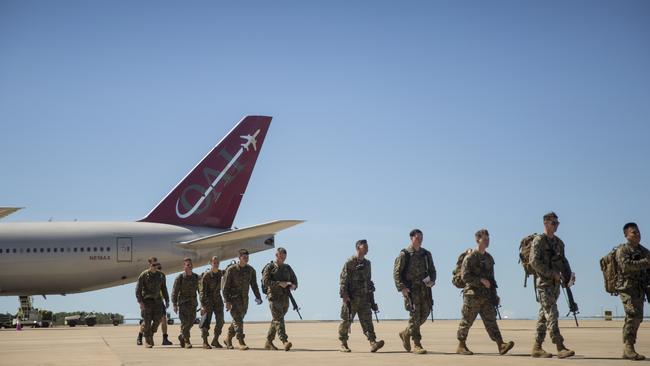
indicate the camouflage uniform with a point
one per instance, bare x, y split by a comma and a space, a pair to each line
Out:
278, 297
419, 267
356, 285
478, 299
237, 282
184, 297
547, 257
633, 264
151, 286
212, 302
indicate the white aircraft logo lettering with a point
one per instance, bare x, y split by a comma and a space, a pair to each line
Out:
250, 139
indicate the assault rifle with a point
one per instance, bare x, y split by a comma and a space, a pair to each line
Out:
374, 306
294, 304
573, 306
494, 298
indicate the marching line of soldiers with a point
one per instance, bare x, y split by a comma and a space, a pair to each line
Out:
414, 274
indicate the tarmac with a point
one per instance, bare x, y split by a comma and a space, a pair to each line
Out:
596, 342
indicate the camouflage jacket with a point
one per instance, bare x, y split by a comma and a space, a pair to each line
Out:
151, 286
237, 281
275, 274
634, 265
546, 258
356, 279
210, 288
420, 265
476, 266
185, 289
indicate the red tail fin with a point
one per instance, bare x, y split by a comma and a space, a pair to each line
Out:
210, 194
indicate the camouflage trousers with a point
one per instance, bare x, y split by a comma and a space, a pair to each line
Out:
237, 312
206, 319
361, 307
420, 313
279, 308
633, 305
473, 306
187, 315
152, 314
548, 315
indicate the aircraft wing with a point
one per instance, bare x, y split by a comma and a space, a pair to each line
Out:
6, 211
229, 237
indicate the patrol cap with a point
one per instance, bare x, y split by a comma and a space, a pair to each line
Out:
549, 216
243, 252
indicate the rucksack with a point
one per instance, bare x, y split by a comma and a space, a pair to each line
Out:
267, 267
609, 266
456, 279
524, 255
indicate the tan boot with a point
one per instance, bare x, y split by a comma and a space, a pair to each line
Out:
206, 345
629, 353
462, 349
376, 345
406, 339
228, 341
344, 347
215, 342
505, 347
242, 345
270, 346
563, 352
538, 352
287, 345
417, 348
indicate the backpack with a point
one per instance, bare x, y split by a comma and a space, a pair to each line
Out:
609, 266
456, 279
524, 255
267, 267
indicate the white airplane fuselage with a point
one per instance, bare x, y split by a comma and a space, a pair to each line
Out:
69, 257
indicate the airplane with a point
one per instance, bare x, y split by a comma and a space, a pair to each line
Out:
194, 220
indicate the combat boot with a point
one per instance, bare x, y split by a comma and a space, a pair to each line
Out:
462, 349
206, 345
148, 342
629, 353
166, 341
287, 345
228, 341
376, 345
181, 341
406, 339
505, 347
188, 344
215, 342
538, 351
344, 347
139, 340
242, 345
417, 348
563, 352
270, 346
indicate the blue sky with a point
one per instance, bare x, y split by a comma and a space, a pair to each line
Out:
446, 116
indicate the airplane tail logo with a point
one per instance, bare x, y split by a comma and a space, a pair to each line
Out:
211, 193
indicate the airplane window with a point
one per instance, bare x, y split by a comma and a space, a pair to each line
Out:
61, 250
14, 250
75, 250
48, 250
81, 249
108, 249
54, 250
101, 249
27, 250
42, 250
94, 249
34, 250
88, 249
0, 250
